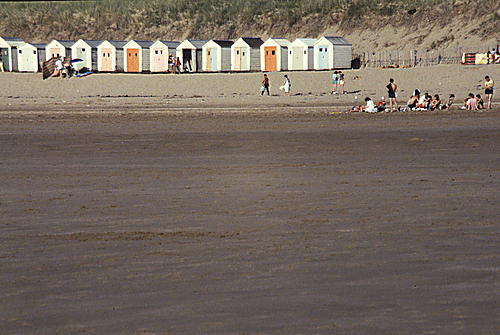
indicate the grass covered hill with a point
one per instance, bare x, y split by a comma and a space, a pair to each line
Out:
363, 22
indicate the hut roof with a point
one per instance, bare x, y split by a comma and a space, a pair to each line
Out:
66, 43
254, 42
13, 41
93, 43
39, 45
307, 41
224, 43
337, 40
197, 43
117, 44
171, 44
144, 44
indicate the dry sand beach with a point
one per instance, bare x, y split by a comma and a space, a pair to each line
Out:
157, 204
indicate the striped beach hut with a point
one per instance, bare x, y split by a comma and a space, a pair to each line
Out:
190, 54
217, 55
332, 52
111, 56
245, 54
137, 56
85, 50
9, 55
301, 54
30, 57
58, 48
160, 51
274, 54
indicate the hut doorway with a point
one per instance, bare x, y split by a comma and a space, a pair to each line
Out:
187, 59
323, 57
159, 60
55, 52
5, 59
244, 59
237, 59
106, 64
271, 59
297, 57
133, 60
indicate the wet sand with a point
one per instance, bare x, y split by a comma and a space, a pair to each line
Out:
294, 221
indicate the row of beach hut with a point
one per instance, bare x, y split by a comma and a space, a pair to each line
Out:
245, 54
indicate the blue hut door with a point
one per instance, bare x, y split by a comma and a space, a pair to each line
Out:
214, 59
323, 57
81, 53
244, 59
5, 59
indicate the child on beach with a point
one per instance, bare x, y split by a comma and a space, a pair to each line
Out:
265, 86
479, 102
334, 79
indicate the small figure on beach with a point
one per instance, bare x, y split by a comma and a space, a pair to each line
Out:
286, 86
177, 66
334, 80
265, 86
170, 64
1, 61
488, 89
391, 91
424, 101
435, 103
370, 107
412, 102
381, 105
471, 103
449, 103
59, 69
479, 101
342, 82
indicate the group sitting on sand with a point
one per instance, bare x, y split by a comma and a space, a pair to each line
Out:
418, 102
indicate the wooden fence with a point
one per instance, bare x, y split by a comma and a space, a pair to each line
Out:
410, 58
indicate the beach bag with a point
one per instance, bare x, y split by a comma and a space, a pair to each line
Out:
262, 89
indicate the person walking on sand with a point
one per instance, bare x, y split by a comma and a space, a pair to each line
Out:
265, 85
488, 89
342, 82
391, 90
334, 79
287, 85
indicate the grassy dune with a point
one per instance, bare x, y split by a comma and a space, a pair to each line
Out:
230, 19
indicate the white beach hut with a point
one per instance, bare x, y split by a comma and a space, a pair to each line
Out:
110, 56
30, 57
245, 54
85, 50
9, 55
58, 48
190, 54
217, 55
332, 52
274, 54
160, 52
301, 54
137, 56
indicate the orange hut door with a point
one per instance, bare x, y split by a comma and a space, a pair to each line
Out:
133, 60
271, 58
